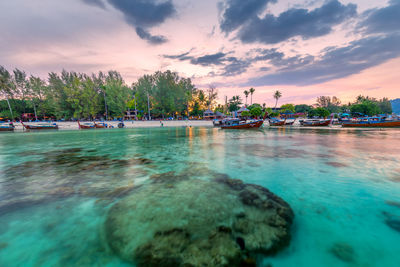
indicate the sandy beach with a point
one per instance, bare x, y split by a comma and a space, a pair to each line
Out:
69, 125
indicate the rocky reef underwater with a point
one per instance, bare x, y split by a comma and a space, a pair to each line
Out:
184, 220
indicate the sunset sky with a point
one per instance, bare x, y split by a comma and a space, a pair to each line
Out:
304, 48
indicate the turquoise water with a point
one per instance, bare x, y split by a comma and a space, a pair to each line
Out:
343, 185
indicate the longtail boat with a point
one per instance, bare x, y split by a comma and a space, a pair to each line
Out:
40, 126
289, 123
86, 125
237, 124
276, 122
315, 123
4, 127
100, 125
372, 122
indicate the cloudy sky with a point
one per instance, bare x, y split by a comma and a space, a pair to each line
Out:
304, 48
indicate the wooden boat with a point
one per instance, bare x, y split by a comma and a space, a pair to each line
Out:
100, 125
237, 124
86, 125
372, 122
289, 123
315, 123
6, 127
277, 122
40, 126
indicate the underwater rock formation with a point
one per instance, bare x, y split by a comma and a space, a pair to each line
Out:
392, 221
178, 220
343, 251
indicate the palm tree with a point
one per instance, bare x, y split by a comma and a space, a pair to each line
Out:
277, 95
246, 94
251, 95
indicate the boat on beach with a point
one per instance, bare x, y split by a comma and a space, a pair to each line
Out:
316, 123
92, 125
100, 125
289, 123
276, 122
238, 124
6, 127
41, 126
86, 125
370, 122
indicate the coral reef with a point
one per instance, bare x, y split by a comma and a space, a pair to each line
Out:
179, 220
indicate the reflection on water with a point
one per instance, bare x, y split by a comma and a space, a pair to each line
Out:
343, 186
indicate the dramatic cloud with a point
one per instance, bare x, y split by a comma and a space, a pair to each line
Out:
385, 19
181, 57
336, 62
153, 39
213, 59
237, 12
235, 67
142, 15
229, 65
270, 29
296, 22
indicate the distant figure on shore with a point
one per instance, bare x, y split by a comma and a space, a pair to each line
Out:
161, 124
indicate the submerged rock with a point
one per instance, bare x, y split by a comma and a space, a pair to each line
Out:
393, 223
343, 252
196, 222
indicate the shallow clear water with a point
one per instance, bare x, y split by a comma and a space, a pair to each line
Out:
56, 188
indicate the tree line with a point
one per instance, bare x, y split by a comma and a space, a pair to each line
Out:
324, 106
74, 95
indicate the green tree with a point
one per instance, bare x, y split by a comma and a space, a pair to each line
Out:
302, 108
320, 112
234, 103
256, 111
330, 103
367, 107
288, 108
277, 95
117, 94
385, 106
245, 114
7, 88
21, 88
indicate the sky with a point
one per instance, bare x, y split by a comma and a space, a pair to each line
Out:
303, 48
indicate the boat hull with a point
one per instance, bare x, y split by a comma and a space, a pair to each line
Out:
249, 125
6, 129
278, 123
316, 124
86, 127
373, 124
34, 127
100, 126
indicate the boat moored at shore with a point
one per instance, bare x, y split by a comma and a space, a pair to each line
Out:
238, 124
6, 127
380, 122
41, 126
316, 123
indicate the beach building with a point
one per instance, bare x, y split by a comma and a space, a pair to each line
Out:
208, 115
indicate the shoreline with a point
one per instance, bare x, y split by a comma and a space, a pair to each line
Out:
70, 125
192, 123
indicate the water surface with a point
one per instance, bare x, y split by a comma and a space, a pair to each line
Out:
344, 187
